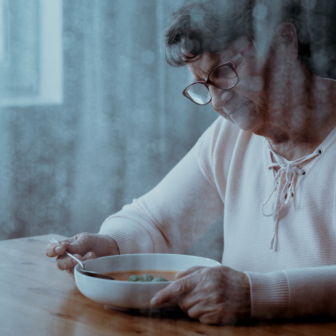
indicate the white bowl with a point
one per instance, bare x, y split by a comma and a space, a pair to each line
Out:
132, 295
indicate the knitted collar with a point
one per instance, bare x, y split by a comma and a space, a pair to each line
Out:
286, 174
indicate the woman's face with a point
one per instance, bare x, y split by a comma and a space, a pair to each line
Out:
245, 105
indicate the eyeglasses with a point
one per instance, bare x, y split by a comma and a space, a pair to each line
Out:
223, 76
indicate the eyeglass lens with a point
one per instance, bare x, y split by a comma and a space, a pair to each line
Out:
199, 93
223, 77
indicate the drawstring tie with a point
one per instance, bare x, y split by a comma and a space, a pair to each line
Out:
283, 188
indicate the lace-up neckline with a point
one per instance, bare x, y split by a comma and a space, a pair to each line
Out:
283, 190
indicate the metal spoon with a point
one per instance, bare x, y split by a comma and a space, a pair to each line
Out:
83, 270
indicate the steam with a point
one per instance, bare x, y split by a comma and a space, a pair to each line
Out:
266, 17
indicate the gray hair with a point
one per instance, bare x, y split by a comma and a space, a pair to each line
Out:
200, 26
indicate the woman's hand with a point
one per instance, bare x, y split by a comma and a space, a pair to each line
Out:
213, 295
84, 246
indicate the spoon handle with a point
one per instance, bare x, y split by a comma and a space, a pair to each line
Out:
55, 241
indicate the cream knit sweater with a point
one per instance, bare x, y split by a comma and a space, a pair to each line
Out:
279, 218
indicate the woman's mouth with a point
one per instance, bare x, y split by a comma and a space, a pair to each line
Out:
237, 109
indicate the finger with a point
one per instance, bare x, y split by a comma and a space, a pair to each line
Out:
208, 315
54, 250
187, 301
188, 271
78, 245
211, 318
65, 262
196, 311
174, 290
88, 256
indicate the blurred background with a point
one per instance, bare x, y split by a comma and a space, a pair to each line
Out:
91, 116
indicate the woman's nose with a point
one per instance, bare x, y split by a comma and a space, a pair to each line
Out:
219, 97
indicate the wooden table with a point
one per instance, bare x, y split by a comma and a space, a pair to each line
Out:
38, 299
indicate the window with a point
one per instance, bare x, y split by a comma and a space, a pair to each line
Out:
31, 52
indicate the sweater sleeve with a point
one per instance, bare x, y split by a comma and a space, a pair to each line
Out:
176, 213
300, 292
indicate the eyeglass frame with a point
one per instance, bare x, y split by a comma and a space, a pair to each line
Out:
230, 64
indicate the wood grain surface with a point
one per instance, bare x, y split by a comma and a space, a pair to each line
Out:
38, 299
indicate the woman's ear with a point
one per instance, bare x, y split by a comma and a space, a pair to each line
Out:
287, 41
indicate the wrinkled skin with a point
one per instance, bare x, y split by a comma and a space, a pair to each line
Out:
213, 295
84, 246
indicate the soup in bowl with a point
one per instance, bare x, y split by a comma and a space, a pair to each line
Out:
123, 294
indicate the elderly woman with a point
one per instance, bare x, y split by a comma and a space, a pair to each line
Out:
268, 163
